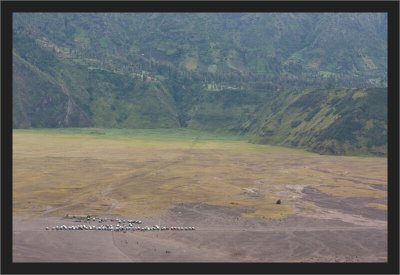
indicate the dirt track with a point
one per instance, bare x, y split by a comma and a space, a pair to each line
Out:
221, 236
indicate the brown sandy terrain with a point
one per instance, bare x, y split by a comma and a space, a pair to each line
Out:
333, 207
221, 235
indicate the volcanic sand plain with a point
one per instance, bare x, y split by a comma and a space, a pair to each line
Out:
333, 207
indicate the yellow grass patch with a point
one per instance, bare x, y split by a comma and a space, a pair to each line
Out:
352, 191
61, 173
377, 205
359, 94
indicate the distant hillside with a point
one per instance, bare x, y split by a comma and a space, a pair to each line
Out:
310, 80
329, 121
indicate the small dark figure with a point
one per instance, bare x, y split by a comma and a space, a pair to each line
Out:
167, 251
278, 202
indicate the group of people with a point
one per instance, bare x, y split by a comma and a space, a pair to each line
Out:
110, 227
122, 225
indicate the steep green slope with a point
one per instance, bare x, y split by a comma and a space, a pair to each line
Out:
277, 78
40, 100
295, 45
349, 121
52, 92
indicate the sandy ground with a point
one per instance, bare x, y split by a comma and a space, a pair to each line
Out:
333, 207
221, 235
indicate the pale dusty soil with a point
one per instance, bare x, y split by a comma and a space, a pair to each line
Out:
221, 235
333, 208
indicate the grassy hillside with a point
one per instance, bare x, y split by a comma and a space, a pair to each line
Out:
349, 121
57, 93
283, 79
296, 44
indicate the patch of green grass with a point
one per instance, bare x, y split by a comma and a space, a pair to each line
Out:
152, 134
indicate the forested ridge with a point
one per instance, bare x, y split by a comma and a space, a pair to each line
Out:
316, 81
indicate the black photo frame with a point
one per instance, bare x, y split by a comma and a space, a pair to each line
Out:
389, 7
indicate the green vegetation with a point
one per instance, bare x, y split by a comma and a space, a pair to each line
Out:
286, 79
329, 122
176, 134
